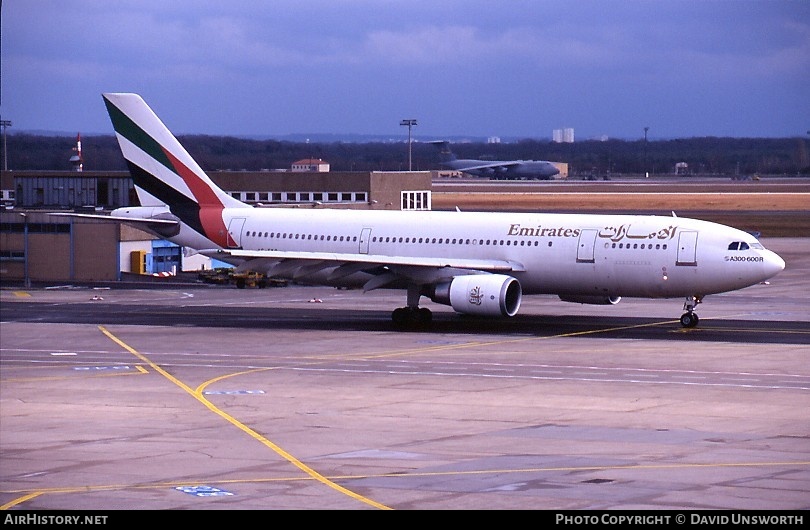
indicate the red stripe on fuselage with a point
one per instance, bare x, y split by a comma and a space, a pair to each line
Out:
210, 205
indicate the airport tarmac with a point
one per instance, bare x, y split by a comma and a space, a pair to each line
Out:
199, 397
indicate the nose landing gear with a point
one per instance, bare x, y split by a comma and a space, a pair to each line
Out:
690, 318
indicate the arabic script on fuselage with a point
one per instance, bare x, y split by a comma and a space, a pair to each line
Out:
625, 231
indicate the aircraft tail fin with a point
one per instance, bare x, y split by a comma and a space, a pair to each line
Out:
444, 150
163, 172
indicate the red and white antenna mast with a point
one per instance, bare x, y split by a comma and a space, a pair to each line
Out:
76, 160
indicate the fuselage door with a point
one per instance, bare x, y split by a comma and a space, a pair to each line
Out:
365, 236
235, 232
587, 239
687, 248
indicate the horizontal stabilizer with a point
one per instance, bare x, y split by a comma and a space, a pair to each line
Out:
117, 219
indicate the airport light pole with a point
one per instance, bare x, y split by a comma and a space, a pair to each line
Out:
646, 173
409, 124
5, 124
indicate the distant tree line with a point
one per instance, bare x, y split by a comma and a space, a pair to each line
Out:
709, 155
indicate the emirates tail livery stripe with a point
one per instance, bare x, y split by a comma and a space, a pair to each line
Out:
210, 211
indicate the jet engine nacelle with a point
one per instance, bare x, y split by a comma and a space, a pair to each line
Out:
480, 294
591, 299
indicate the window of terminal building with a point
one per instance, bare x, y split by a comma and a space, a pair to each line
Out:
415, 200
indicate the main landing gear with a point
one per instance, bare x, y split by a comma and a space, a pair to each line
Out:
690, 318
412, 315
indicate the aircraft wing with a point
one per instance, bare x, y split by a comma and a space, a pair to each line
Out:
387, 269
372, 259
492, 165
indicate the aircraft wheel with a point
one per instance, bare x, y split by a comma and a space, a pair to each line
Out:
400, 315
689, 320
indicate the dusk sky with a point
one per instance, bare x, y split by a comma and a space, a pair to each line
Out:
515, 68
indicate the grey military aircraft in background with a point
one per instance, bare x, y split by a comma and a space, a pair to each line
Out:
497, 169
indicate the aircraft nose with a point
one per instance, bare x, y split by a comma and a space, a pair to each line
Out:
773, 263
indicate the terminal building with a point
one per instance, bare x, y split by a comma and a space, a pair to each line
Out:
36, 246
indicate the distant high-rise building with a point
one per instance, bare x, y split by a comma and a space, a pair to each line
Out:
565, 136
494, 140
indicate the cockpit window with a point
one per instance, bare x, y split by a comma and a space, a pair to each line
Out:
740, 245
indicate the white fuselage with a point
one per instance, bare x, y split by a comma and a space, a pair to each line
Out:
599, 255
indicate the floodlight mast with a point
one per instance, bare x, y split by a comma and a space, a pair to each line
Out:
409, 123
